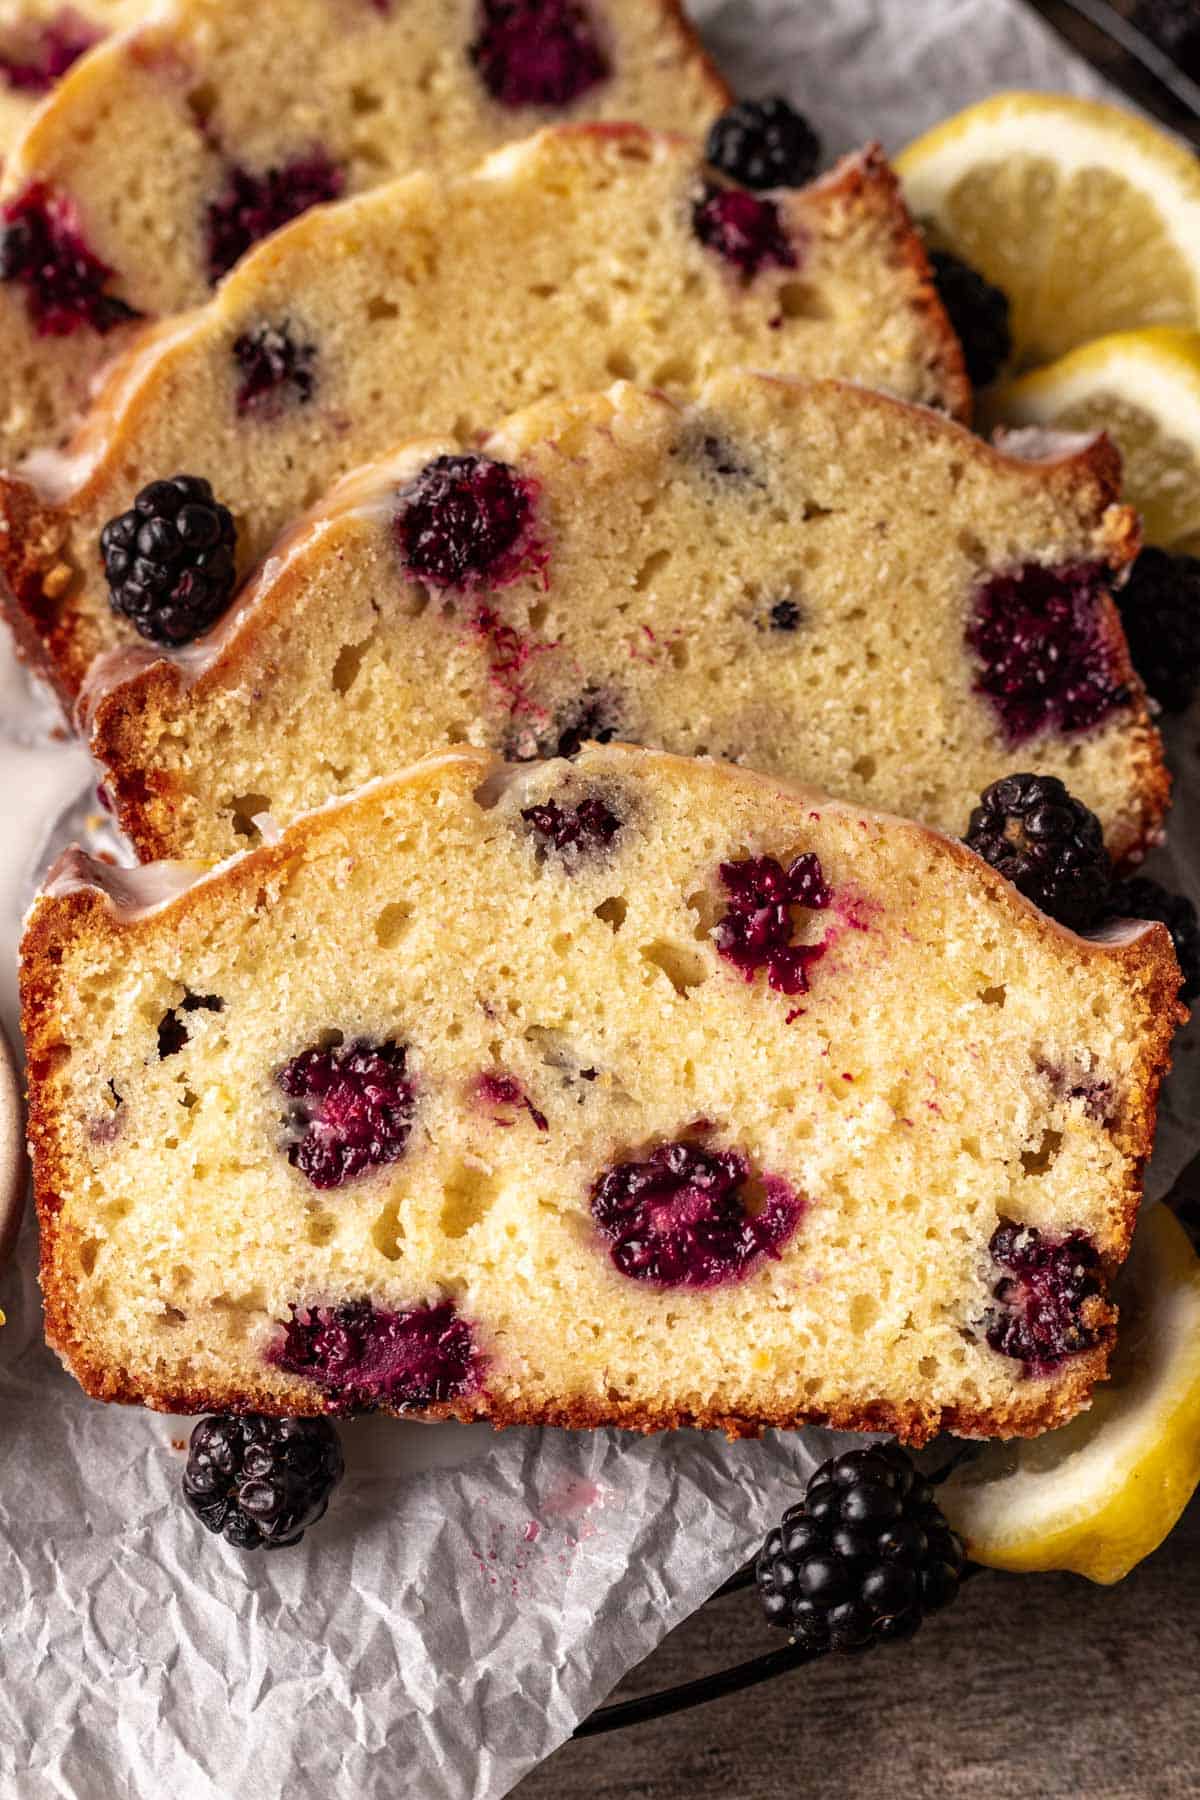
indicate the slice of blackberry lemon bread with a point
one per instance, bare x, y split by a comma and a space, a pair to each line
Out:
812, 579
634, 1090
235, 128
585, 253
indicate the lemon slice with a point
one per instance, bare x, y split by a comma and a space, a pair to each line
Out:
1086, 216
1101, 1493
1143, 388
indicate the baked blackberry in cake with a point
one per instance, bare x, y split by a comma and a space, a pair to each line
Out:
584, 253
785, 574
39, 41
231, 137
560, 1094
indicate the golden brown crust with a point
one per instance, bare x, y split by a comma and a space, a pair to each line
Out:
949, 363
1050, 1404
677, 19
34, 586
82, 912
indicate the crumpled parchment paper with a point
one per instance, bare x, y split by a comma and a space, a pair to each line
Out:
470, 1595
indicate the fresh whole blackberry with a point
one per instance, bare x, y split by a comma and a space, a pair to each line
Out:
764, 144
260, 1483
864, 1556
1143, 898
1160, 610
978, 312
170, 560
1048, 844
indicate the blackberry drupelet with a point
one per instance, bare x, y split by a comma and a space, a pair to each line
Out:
864, 1556
465, 520
170, 560
172, 1032
979, 314
352, 1109
589, 826
743, 229
362, 1355
1143, 898
1042, 1295
1047, 661
274, 365
764, 144
43, 248
756, 930
1048, 844
260, 1483
682, 1217
253, 205
1160, 610
538, 52
34, 56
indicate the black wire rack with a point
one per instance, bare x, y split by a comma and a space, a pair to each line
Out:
1108, 37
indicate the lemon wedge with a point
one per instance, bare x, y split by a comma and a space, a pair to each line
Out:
1143, 388
1086, 216
1101, 1493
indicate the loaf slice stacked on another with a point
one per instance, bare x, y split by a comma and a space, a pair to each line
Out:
176, 147
585, 253
630, 1090
811, 579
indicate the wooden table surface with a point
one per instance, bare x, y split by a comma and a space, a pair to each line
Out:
1035, 1687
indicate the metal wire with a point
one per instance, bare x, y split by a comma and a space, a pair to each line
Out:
1127, 37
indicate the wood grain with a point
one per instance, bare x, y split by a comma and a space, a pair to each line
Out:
1029, 1688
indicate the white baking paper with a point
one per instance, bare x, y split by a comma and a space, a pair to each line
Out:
470, 1596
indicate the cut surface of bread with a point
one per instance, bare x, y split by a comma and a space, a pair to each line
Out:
39, 41
427, 306
179, 144
634, 1090
783, 574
